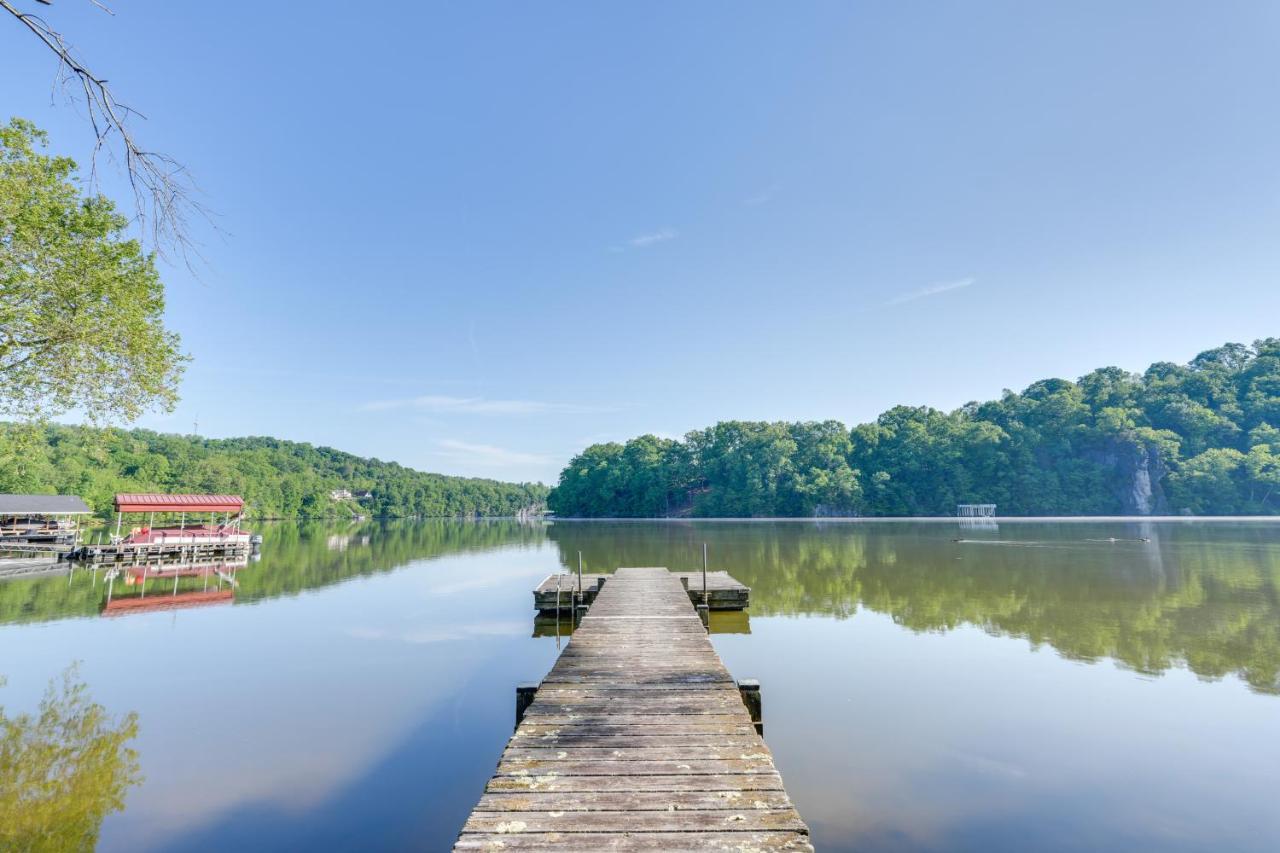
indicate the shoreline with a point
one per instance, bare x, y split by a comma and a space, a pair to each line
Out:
946, 519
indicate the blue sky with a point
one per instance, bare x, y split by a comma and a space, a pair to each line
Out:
475, 237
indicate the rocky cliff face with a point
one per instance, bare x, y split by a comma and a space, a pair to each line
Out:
1140, 470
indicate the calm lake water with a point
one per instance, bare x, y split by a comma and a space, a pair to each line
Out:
1030, 687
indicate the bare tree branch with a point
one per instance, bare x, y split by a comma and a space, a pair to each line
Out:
164, 193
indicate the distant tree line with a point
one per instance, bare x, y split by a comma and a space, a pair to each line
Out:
1200, 438
278, 479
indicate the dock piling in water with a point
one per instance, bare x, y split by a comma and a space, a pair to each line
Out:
525, 691
749, 688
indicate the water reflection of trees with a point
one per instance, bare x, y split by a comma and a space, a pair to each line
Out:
1208, 598
1204, 595
63, 769
298, 557
295, 558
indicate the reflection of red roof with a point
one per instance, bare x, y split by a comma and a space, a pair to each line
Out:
179, 503
137, 604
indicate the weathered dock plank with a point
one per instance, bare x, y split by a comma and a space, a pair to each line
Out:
667, 842
638, 739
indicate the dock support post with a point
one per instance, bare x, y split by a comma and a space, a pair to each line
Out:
578, 613
704, 574
684, 582
704, 613
525, 691
749, 688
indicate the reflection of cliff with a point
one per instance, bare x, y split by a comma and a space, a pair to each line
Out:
1206, 596
63, 769
295, 558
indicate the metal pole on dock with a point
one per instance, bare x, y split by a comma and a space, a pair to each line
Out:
704, 609
579, 574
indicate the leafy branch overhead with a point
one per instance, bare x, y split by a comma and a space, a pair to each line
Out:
164, 193
81, 305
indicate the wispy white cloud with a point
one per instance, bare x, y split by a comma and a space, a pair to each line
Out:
487, 454
444, 405
931, 290
644, 241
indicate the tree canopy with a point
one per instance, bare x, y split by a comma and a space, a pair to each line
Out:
1199, 438
81, 306
278, 479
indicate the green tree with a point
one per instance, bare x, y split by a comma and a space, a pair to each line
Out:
1210, 482
81, 306
1177, 438
1262, 465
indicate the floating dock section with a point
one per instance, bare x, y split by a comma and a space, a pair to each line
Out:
638, 739
723, 592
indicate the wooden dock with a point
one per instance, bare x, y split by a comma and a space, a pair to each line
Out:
723, 591
138, 553
638, 739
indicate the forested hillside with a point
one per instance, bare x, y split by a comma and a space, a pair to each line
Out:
278, 479
1197, 438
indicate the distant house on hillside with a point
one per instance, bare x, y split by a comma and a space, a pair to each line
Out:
348, 495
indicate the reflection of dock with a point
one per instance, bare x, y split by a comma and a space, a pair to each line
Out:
28, 567
169, 586
637, 739
121, 606
723, 592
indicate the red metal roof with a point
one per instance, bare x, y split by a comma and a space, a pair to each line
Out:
179, 503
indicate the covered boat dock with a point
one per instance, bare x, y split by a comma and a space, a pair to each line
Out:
43, 520
193, 527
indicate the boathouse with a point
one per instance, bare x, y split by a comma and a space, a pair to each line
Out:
40, 519
191, 526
